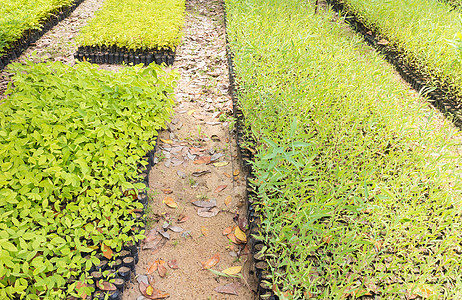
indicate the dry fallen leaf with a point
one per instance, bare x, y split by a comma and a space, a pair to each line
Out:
207, 212
175, 228
107, 251
151, 293
236, 172
161, 268
229, 288
182, 218
205, 204
232, 270
191, 112
152, 268
240, 235
167, 191
220, 164
173, 264
211, 262
196, 151
220, 188
204, 231
228, 230
227, 175
232, 238
79, 288
202, 160
228, 200
200, 173
170, 202
166, 141
105, 286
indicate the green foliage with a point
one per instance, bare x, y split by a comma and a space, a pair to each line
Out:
136, 25
17, 17
357, 186
71, 142
422, 32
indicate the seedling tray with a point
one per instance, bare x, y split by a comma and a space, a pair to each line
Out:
117, 56
259, 265
32, 35
439, 97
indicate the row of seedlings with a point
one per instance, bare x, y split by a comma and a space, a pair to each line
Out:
73, 144
355, 181
24, 22
246, 149
133, 32
421, 38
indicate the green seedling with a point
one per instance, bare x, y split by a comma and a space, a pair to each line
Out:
353, 179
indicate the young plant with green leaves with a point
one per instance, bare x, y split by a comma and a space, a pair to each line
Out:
135, 25
72, 141
357, 185
17, 17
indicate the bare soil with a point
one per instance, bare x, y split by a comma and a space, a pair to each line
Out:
201, 121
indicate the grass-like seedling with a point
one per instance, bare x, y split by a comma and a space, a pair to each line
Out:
135, 25
17, 17
422, 31
359, 193
71, 140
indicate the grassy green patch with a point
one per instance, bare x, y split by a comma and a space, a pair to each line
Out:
426, 33
17, 17
358, 190
71, 142
135, 25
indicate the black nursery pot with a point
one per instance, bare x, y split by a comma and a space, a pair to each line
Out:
124, 273
120, 284
129, 262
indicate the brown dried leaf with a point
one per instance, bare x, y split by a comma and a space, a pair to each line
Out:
207, 212
228, 230
107, 251
229, 289
211, 261
105, 286
200, 173
151, 293
79, 289
202, 160
167, 191
173, 264
232, 238
152, 268
170, 202
236, 172
227, 175
220, 188
196, 151
205, 204
161, 268
182, 218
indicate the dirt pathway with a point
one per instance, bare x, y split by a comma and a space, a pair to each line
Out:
197, 161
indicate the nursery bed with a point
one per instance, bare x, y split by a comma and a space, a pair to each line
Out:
29, 36
116, 56
352, 180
